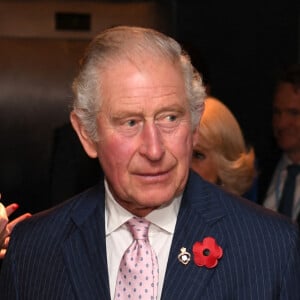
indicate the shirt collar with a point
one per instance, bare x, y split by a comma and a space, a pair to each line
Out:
284, 162
163, 217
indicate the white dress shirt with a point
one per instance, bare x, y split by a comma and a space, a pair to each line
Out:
275, 189
118, 237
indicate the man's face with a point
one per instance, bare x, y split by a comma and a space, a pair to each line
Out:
286, 119
145, 134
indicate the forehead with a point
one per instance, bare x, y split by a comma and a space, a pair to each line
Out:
126, 82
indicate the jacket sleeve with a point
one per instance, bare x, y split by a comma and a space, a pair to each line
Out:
8, 277
290, 288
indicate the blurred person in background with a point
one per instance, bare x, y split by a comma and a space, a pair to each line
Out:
283, 194
220, 153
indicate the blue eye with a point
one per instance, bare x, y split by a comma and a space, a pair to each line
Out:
172, 118
199, 155
131, 123
168, 121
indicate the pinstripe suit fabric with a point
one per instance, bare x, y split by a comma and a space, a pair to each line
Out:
61, 253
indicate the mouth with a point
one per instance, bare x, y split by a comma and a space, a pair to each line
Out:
153, 177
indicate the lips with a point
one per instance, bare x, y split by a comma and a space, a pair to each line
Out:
153, 177
153, 174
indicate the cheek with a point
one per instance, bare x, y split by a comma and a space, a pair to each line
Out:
201, 167
206, 169
114, 153
276, 123
196, 166
182, 144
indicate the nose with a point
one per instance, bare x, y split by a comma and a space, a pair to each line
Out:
152, 145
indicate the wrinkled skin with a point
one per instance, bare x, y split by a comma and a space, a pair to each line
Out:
145, 134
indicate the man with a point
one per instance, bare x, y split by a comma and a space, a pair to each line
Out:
286, 127
137, 102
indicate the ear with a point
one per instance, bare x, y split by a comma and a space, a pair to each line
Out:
88, 145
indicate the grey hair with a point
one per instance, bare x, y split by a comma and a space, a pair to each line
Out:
125, 42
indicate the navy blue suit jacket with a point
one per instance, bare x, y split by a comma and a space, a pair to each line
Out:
61, 253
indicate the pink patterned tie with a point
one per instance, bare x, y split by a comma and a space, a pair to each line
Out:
138, 273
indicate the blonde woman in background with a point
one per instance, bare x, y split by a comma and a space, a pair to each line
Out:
220, 154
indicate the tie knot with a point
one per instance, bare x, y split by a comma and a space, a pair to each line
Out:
138, 228
293, 170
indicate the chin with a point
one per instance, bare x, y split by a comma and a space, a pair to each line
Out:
286, 147
155, 198
286, 143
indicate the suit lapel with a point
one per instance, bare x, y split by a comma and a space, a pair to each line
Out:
85, 256
199, 217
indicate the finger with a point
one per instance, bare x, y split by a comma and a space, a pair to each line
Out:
3, 220
10, 226
2, 253
11, 208
5, 243
4, 247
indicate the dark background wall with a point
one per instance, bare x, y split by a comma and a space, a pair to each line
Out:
241, 48
244, 47
38, 63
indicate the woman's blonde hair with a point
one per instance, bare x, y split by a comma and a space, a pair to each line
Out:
220, 133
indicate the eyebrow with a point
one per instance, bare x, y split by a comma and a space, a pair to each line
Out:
127, 113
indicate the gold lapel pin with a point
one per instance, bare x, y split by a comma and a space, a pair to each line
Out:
184, 257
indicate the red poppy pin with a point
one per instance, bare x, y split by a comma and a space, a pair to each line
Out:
207, 253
